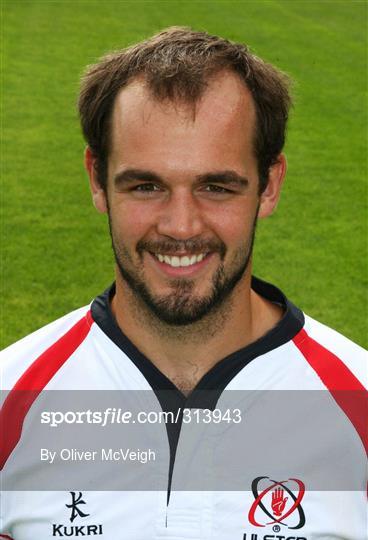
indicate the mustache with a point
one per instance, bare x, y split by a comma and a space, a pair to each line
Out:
192, 246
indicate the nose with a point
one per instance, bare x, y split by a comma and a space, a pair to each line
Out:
181, 217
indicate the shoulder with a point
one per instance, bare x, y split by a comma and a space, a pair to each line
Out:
331, 353
60, 336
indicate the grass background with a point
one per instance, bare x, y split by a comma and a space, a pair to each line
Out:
56, 248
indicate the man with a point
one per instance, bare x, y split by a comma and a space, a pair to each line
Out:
185, 134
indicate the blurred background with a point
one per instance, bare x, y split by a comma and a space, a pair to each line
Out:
56, 248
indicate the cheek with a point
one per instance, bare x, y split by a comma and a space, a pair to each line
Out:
233, 223
130, 221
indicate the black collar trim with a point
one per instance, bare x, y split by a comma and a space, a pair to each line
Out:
216, 380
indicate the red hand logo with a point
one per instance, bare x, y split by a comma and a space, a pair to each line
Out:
278, 501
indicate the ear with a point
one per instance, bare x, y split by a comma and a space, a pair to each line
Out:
270, 196
98, 194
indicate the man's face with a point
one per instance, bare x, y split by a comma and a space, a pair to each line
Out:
182, 197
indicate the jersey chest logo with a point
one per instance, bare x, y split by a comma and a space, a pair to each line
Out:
75, 530
276, 505
277, 502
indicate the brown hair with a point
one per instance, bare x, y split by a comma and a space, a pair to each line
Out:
177, 64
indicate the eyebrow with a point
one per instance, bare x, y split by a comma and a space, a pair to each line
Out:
220, 177
224, 177
132, 175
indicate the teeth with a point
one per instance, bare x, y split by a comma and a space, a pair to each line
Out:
176, 261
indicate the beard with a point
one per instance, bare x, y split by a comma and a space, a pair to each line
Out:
182, 306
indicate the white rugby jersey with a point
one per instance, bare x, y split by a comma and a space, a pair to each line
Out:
294, 468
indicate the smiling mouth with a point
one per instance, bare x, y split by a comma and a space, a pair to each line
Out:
183, 261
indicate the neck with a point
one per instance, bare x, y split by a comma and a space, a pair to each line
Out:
185, 353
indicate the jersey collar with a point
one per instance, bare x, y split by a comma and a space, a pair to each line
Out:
218, 377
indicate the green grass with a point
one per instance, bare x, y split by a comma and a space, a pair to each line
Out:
56, 249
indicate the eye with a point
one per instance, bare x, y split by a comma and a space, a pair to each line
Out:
214, 188
146, 190
216, 191
146, 187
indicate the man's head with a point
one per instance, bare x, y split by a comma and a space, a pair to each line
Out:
180, 177
177, 65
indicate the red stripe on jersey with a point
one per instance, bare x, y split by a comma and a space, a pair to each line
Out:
6, 536
33, 381
346, 389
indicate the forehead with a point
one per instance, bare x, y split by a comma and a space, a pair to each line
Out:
221, 122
